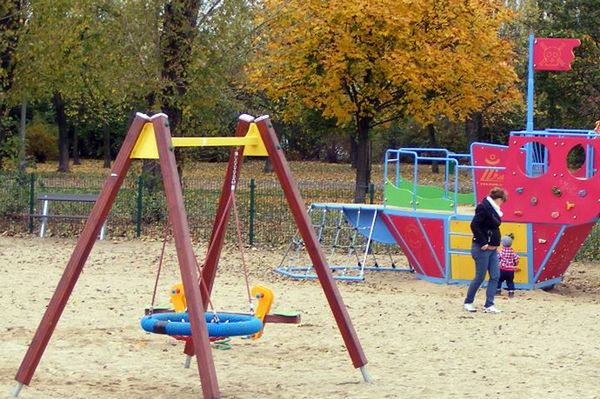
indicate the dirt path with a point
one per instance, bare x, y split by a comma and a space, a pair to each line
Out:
419, 342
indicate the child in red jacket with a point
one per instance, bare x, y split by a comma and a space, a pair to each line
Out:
508, 261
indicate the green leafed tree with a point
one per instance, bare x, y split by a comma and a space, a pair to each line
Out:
366, 63
213, 95
72, 53
98, 60
11, 23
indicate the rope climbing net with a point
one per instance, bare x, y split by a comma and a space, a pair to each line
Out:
350, 247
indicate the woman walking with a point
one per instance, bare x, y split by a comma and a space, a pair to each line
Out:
486, 239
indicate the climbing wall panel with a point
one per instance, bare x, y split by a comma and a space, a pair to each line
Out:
565, 250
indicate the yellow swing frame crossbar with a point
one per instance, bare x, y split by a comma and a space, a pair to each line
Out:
145, 147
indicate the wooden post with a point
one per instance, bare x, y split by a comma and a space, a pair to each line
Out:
186, 257
80, 254
298, 209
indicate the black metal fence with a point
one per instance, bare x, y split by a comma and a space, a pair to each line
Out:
264, 215
138, 211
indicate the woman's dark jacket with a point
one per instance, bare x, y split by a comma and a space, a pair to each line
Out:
486, 225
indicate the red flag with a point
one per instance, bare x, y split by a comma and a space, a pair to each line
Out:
554, 54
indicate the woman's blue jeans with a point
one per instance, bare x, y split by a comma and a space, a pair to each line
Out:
485, 261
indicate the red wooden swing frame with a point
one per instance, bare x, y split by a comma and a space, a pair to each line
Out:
197, 302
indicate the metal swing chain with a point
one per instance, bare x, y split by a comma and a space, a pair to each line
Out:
236, 155
238, 229
198, 267
240, 245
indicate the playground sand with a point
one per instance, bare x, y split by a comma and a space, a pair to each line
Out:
419, 342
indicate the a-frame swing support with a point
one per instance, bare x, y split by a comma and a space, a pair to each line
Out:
144, 125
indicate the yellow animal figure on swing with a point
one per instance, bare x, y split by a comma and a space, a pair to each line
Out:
263, 295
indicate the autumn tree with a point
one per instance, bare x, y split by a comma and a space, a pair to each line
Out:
562, 99
480, 78
45, 60
366, 63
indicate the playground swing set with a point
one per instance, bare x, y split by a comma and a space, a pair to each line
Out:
150, 138
221, 326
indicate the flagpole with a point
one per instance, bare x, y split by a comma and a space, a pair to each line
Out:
529, 125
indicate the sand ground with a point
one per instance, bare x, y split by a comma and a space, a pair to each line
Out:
418, 340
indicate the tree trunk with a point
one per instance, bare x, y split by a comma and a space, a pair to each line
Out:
435, 167
268, 168
151, 175
363, 161
473, 128
3, 133
73, 136
179, 156
332, 153
353, 152
279, 129
179, 31
22, 134
63, 133
106, 145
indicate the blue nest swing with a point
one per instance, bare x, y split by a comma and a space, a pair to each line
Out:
224, 325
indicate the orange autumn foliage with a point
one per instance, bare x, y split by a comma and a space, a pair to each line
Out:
384, 59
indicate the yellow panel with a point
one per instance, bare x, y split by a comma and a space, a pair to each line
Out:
252, 142
258, 150
213, 141
519, 231
463, 268
145, 146
461, 242
522, 275
460, 226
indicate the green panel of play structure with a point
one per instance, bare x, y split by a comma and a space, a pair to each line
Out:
466, 199
435, 192
428, 197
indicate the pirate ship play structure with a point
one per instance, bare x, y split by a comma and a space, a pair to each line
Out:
553, 189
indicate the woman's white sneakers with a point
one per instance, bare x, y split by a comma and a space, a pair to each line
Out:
491, 309
469, 307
